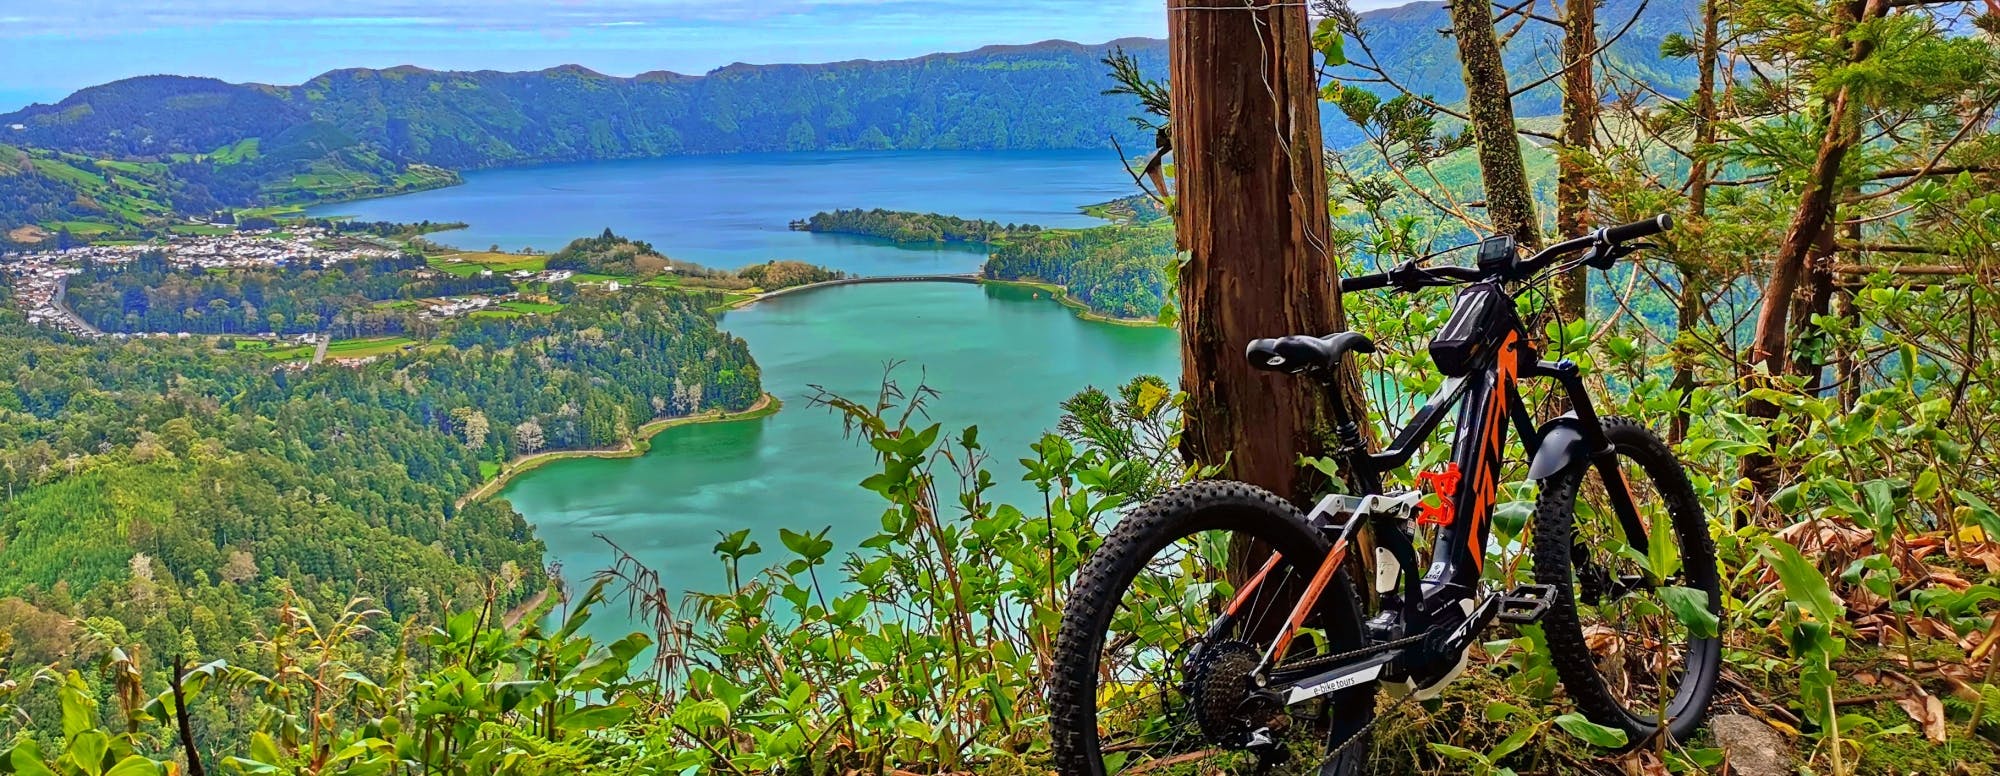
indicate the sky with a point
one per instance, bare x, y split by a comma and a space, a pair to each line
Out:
49, 48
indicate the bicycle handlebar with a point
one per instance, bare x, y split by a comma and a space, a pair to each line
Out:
1639, 229
1409, 277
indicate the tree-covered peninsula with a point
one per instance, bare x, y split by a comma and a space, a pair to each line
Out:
1118, 271
907, 227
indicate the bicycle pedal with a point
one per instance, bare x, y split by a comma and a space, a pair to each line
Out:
1526, 604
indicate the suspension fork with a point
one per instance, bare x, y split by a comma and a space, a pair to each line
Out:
1603, 456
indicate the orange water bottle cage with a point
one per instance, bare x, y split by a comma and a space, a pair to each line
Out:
1446, 484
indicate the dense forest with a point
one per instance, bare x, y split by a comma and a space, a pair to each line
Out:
1119, 271
609, 254
786, 273
149, 294
169, 498
907, 227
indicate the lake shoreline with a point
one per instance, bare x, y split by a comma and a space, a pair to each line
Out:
1082, 310
766, 406
1058, 293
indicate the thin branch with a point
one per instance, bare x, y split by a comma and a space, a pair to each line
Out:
1523, 9
1601, 48
1943, 169
1978, 119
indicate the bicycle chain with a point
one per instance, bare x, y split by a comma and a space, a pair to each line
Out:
1364, 731
1376, 719
1351, 654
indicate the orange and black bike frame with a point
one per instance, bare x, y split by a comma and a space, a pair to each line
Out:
1495, 355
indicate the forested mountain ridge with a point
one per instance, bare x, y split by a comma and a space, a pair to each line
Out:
1039, 96
363, 132
1035, 96
1411, 42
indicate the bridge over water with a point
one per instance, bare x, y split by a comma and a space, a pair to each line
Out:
965, 278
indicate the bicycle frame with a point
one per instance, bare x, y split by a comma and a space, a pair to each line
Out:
1488, 399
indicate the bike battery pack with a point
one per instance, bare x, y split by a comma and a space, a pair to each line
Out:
1479, 318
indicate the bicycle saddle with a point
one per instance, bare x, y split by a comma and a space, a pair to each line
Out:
1300, 354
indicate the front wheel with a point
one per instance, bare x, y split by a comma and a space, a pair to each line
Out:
1626, 656
1145, 681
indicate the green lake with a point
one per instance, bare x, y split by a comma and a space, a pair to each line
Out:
1001, 357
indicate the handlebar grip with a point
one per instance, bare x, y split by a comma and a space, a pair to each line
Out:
1639, 229
1364, 282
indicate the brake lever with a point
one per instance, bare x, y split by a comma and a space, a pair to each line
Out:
1605, 256
1406, 277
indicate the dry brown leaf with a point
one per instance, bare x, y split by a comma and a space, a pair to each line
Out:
1986, 554
1948, 578
1601, 640
1923, 707
1928, 712
1642, 763
1826, 536
1925, 626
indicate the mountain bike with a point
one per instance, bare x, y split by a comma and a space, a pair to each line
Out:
1218, 629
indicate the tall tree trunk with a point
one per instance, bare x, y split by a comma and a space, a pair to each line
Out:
1489, 103
1808, 228
1700, 176
1251, 213
1579, 138
1815, 297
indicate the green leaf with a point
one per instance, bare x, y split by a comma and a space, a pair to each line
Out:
26, 759
1690, 606
701, 714
1513, 743
594, 718
87, 751
1329, 42
1988, 519
811, 547
134, 765
1590, 732
251, 767
79, 710
1459, 754
1803, 583
264, 748
1927, 484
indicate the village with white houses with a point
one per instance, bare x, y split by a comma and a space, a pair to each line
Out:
40, 277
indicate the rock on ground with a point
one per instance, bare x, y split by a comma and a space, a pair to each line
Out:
1753, 748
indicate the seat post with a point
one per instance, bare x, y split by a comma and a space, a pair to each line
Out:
1347, 433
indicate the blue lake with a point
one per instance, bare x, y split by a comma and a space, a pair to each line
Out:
728, 211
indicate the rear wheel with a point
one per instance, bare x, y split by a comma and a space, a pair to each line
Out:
1625, 657
1140, 685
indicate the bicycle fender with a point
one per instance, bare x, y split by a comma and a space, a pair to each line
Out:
1562, 446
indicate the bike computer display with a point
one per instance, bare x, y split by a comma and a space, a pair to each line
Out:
1497, 254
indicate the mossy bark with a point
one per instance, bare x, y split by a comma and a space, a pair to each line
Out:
1252, 216
1489, 103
